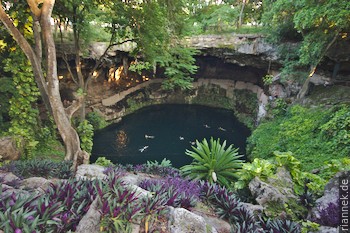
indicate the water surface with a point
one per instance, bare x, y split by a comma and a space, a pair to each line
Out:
166, 131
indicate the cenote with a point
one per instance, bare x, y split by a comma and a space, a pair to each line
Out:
166, 131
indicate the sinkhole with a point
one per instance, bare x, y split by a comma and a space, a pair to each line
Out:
166, 131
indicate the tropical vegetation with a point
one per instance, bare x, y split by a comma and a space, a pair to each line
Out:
308, 138
213, 162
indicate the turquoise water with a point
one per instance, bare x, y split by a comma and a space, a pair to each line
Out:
166, 131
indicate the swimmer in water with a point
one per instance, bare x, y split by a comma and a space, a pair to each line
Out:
143, 149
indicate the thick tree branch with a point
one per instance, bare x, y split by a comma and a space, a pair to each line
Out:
73, 108
64, 57
33, 4
37, 38
305, 88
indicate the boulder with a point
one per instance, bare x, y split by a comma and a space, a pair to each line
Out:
90, 171
35, 183
9, 178
277, 90
218, 224
91, 220
265, 193
184, 221
331, 194
320, 79
8, 149
324, 229
257, 210
283, 182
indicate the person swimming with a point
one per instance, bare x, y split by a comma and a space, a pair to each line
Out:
143, 149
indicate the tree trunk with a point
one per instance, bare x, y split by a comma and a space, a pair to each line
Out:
48, 87
240, 19
305, 88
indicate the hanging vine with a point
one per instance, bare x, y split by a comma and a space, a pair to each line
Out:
23, 110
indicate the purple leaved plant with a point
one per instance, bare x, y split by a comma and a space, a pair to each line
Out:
329, 216
176, 191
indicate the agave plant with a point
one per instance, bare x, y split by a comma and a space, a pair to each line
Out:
213, 162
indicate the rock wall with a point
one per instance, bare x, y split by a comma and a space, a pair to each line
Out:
150, 92
241, 49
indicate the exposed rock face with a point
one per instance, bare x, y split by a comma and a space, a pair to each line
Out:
264, 192
88, 171
324, 229
91, 221
331, 194
273, 194
184, 221
8, 149
242, 49
35, 183
9, 178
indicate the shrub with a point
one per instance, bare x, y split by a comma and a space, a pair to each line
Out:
307, 132
329, 216
96, 120
102, 161
58, 210
44, 168
213, 162
258, 168
86, 133
155, 169
176, 191
280, 225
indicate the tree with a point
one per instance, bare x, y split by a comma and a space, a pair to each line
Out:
46, 78
317, 25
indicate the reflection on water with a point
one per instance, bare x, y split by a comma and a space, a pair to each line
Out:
121, 139
166, 131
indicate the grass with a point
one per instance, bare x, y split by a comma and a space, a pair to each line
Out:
53, 151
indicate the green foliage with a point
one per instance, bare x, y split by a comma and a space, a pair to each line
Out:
287, 160
337, 130
334, 166
315, 24
179, 66
23, 111
7, 89
138, 66
96, 120
302, 131
86, 133
245, 107
265, 169
213, 162
164, 163
43, 168
308, 226
102, 161
313, 182
260, 168
268, 79
217, 18
280, 107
